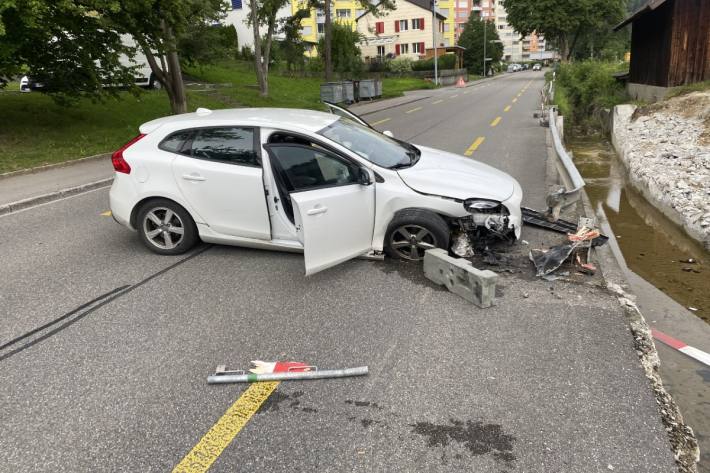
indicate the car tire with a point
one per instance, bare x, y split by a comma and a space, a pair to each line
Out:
165, 227
413, 231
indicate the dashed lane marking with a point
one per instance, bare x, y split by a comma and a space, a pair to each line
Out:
514, 100
106, 214
454, 96
496, 121
474, 146
380, 122
507, 109
213, 443
437, 101
413, 110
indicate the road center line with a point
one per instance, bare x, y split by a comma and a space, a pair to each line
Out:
213, 443
507, 109
474, 146
437, 101
413, 110
454, 96
514, 100
496, 121
379, 122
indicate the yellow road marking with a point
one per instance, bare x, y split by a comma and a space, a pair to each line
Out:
474, 146
211, 445
514, 100
507, 109
465, 92
454, 96
413, 110
379, 122
496, 121
438, 101
106, 214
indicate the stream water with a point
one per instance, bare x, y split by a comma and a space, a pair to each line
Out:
654, 247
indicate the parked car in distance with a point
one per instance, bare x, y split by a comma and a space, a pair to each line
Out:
537, 67
513, 67
325, 184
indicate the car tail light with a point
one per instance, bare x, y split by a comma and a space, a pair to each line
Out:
120, 164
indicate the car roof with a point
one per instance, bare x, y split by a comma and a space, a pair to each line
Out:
289, 118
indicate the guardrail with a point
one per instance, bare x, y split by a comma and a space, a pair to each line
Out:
569, 175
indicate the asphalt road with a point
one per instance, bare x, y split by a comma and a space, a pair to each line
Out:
546, 381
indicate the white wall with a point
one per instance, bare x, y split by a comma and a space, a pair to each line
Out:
238, 18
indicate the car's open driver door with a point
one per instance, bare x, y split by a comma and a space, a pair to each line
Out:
333, 203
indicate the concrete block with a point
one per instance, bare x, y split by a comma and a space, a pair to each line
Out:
460, 277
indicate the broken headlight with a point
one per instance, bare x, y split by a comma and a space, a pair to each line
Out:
481, 205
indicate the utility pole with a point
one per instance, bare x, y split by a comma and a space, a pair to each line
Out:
434, 28
484, 45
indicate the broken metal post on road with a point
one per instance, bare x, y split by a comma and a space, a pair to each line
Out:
460, 277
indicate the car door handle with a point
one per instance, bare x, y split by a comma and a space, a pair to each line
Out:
317, 210
193, 177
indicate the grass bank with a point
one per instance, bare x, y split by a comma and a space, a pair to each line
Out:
36, 131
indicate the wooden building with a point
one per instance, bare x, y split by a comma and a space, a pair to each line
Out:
670, 46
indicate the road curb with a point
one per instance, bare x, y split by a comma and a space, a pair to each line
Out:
51, 196
46, 167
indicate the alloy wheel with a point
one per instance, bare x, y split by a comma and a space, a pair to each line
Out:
163, 228
411, 241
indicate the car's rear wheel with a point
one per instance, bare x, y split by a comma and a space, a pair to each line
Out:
412, 232
166, 228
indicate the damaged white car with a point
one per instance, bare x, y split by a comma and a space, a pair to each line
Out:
300, 180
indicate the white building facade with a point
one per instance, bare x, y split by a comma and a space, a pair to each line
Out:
237, 15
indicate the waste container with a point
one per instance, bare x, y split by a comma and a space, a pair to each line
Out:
331, 92
378, 88
367, 89
348, 91
356, 90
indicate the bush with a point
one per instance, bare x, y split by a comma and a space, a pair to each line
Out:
378, 65
247, 54
447, 61
584, 88
401, 65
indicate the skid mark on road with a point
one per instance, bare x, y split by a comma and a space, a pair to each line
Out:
474, 146
213, 443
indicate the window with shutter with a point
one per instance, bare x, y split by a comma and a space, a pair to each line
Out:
236, 4
396, 49
396, 26
421, 23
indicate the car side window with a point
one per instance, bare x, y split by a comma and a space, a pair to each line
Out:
232, 145
305, 168
177, 142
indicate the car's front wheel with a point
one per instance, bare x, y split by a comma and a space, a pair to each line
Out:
166, 228
411, 232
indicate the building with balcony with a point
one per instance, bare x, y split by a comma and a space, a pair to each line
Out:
484, 9
406, 31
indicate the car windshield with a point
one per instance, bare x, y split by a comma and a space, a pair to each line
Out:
370, 144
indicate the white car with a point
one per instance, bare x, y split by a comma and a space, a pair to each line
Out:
325, 184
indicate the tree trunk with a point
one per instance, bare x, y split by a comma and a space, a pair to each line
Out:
168, 72
328, 30
258, 60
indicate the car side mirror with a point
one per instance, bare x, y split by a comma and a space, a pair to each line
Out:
388, 133
363, 177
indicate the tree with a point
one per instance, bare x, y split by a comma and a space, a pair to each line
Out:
206, 44
374, 7
345, 52
79, 46
292, 46
157, 26
263, 13
64, 46
472, 39
563, 21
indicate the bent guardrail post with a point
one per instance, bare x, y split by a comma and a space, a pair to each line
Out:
571, 179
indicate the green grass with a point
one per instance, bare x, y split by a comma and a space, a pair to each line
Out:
35, 131
289, 92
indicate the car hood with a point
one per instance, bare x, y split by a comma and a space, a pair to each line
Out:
450, 175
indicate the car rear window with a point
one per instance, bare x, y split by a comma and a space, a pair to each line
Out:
175, 143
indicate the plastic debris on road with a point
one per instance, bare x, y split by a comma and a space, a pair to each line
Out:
581, 241
280, 371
